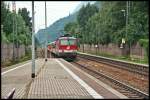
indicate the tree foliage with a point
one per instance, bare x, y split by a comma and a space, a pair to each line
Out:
83, 16
16, 27
4, 12
71, 28
108, 24
111, 23
25, 14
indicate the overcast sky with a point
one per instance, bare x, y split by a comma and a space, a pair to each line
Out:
55, 10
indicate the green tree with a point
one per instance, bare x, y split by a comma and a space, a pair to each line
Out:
71, 28
25, 14
19, 22
82, 18
4, 12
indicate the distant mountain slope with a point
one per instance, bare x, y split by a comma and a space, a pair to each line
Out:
56, 29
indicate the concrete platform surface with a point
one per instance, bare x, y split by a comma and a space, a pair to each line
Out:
54, 81
18, 78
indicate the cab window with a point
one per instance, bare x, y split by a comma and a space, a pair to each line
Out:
68, 42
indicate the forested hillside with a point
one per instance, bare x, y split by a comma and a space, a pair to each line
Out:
113, 22
57, 28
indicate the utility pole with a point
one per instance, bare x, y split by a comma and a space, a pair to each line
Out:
128, 21
96, 41
14, 9
45, 33
2, 29
15, 27
17, 44
83, 41
127, 12
33, 43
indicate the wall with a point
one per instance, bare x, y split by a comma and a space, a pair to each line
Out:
136, 51
7, 51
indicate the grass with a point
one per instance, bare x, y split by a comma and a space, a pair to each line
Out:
124, 58
11, 62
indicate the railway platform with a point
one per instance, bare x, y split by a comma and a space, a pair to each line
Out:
59, 79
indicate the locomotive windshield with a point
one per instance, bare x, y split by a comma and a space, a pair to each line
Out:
68, 42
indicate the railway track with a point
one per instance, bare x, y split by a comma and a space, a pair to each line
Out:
135, 68
123, 88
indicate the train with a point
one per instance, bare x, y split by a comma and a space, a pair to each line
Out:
64, 47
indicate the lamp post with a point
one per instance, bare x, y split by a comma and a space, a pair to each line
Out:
123, 40
126, 12
123, 12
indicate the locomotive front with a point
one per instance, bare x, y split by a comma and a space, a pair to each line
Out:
67, 47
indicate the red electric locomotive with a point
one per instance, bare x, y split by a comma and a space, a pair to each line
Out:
65, 47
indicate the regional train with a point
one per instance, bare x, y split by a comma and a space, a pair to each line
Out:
64, 47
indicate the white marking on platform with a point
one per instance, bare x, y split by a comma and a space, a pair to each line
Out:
81, 82
14, 68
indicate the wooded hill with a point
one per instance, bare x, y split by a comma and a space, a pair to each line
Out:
57, 28
111, 23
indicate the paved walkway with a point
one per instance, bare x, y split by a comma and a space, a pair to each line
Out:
55, 79
18, 78
55, 82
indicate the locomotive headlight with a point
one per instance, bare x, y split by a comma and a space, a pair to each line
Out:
60, 51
